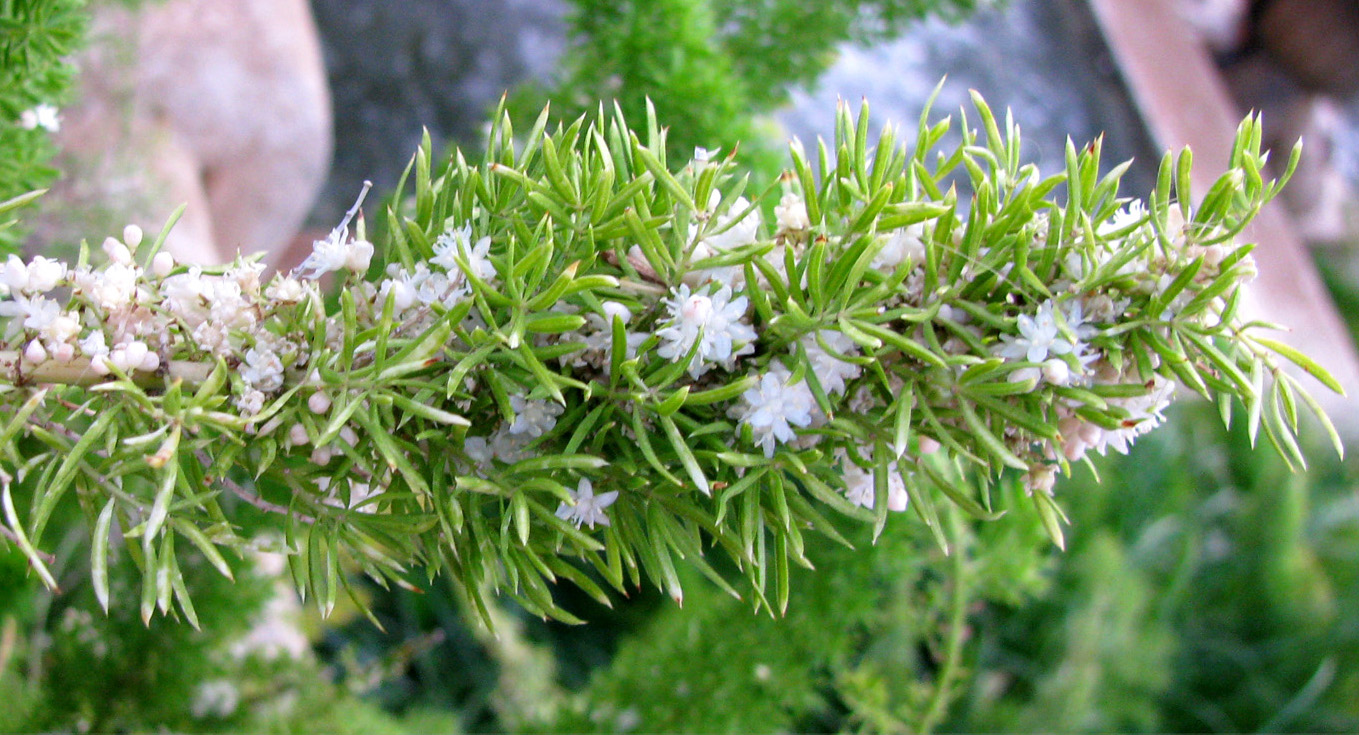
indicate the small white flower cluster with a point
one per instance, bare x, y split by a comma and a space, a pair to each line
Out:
861, 487
43, 115
1144, 414
336, 252
414, 291
713, 322
773, 406
1060, 352
532, 419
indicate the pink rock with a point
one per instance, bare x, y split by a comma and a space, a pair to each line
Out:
220, 105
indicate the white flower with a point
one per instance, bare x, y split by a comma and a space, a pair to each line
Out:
44, 274
478, 450
831, 372
439, 288
216, 698
134, 356
1144, 414
1056, 371
400, 290
36, 313
251, 402
861, 490
772, 407
14, 274
713, 322
614, 309
246, 275
64, 327
262, 370
586, 507
904, 244
94, 345
285, 289
42, 116
453, 243
1135, 213
733, 228
213, 337
532, 419
791, 213
1038, 337
358, 256
112, 288
326, 256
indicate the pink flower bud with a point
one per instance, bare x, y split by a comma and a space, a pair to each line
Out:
319, 402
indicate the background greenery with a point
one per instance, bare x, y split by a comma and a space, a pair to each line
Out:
1204, 588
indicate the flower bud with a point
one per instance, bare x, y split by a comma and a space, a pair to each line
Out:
1057, 372
64, 352
319, 402
297, 435
151, 362
35, 353
134, 353
132, 235
321, 456
117, 251
358, 256
162, 264
614, 309
14, 274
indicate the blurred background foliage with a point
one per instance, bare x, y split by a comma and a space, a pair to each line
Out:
1204, 588
715, 70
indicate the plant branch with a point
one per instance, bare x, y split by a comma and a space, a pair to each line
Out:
13, 539
252, 498
80, 372
957, 622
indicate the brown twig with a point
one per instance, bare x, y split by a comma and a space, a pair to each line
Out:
252, 498
13, 539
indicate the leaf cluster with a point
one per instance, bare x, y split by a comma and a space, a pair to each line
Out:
166, 462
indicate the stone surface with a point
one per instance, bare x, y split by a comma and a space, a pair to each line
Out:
1041, 58
220, 105
399, 65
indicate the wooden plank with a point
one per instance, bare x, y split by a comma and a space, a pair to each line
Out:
1183, 101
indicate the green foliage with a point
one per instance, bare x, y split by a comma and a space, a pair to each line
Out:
37, 37
882, 361
865, 643
713, 69
1205, 589
66, 665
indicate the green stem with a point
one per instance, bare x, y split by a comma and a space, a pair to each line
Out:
953, 652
